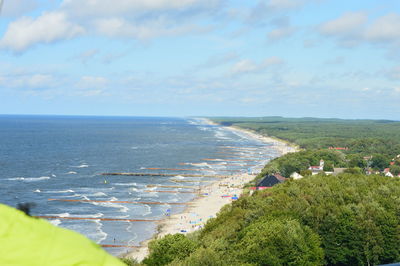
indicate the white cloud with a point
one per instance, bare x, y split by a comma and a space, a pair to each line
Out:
336, 61
92, 82
393, 73
348, 23
28, 81
286, 4
385, 28
86, 55
249, 66
120, 27
280, 33
47, 28
17, 7
100, 8
244, 66
134, 19
354, 28
218, 60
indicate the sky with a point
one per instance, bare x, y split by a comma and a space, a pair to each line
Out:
293, 58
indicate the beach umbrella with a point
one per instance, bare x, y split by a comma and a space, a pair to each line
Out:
25, 240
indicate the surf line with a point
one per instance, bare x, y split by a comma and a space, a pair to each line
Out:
95, 218
120, 201
171, 191
161, 174
179, 169
191, 187
118, 246
242, 147
225, 164
230, 159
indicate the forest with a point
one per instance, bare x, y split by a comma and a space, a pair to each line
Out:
345, 219
362, 137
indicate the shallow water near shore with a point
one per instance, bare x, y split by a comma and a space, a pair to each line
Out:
62, 158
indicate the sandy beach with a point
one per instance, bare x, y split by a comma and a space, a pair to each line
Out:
210, 199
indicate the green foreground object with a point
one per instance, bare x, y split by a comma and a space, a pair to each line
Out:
30, 241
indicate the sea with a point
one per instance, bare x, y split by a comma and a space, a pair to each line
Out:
57, 164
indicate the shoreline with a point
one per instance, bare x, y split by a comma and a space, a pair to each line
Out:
211, 198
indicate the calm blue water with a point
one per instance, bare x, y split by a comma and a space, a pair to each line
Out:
48, 157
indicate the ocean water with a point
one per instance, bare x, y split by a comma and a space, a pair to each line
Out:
60, 157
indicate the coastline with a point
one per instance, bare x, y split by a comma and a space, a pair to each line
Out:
210, 199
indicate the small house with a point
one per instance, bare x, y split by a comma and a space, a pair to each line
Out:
386, 170
318, 168
270, 181
389, 174
296, 175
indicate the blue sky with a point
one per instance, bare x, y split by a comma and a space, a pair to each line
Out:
320, 58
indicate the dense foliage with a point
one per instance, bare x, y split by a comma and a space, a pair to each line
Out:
364, 137
335, 220
300, 161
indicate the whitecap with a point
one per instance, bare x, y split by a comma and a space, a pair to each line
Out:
96, 215
148, 210
179, 177
60, 191
72, 173
64, 214
201, 165
37, 190
97, 194
29, 179
125, 184
121, 208
55, 222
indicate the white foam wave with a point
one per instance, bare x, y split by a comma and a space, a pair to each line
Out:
55, 222
84, 165
59, 191
96, 215
221, 135
121, 208
179, 177
148, 210
97, 194
201, 165
102, 235
64, 214
37, 191
125, 184
72, 173
29, 179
